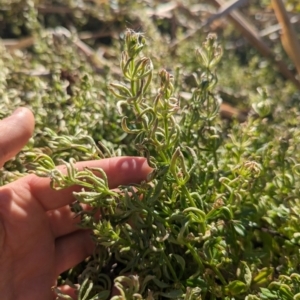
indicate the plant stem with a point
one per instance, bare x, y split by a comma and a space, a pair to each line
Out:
216, 270
170, 266
196, 256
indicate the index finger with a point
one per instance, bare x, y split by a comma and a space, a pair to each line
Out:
119, 171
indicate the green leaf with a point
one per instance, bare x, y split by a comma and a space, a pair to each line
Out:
101, 295
296, 297
247, 273
197, 282
263, 276
267, 294
224, 212
252, 297
236, 287
172, 294
180, 260
196, 214
283, 290
239, 229
295, 277
160, 284
145, 282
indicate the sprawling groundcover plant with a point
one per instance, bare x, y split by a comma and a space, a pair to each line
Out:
218, 216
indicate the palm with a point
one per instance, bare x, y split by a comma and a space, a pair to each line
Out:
28, 251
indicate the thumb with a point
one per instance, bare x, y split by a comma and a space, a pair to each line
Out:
15, 131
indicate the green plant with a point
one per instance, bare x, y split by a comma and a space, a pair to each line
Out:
211, 221
219, 216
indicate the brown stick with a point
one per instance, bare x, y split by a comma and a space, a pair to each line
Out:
288, 35
16, 44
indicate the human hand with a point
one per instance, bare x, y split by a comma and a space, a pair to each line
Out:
39, 237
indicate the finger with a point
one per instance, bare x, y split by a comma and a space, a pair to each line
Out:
63, 221
72, 249
15, 131
70, 291
119, 171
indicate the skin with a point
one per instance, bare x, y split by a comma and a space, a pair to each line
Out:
39, 237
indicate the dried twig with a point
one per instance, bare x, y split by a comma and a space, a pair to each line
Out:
224, 10
163, 10
16, 44
277, 27
51, 9
105, 32
288, 35
252, 35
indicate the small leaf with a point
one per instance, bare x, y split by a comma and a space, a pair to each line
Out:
283, 290
236, 287
268, 294
295, 277
172, 294
197, 282
160, 284
263, 276
247, 273
126, 129
239, 229
252, 297
180, 260
101, 295
297, 297
224, 211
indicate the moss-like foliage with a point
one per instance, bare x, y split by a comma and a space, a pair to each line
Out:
218, 218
